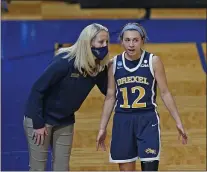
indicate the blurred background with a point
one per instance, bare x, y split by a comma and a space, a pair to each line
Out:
33, 30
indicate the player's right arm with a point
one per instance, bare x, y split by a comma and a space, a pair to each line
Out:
109, 99
108, 107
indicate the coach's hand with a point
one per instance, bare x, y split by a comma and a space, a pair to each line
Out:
100, 141
182, 134
39, 135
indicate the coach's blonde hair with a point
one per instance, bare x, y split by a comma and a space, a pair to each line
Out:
81, 51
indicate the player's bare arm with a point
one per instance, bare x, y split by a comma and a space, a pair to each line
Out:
107, 108
160, 76
109, 99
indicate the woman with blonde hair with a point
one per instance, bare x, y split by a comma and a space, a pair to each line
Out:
59, 92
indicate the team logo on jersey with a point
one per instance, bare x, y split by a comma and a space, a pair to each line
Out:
151, 151
145, 64
119, 65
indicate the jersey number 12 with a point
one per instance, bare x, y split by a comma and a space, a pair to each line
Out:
136, 103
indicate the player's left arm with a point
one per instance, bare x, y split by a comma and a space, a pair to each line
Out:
160, 76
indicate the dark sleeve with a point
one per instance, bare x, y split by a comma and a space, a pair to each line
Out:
102, 81
52, 74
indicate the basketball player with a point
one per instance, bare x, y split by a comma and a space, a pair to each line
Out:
59, 92
133, 77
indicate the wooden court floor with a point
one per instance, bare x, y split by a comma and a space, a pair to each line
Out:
186, 79
187, 83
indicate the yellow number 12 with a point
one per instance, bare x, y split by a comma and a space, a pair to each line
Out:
136, 103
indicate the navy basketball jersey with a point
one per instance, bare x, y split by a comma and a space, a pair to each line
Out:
135, 84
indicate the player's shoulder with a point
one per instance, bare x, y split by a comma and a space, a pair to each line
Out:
147, 54
113, 60
156, 59
116, 57
156, 62
152, 55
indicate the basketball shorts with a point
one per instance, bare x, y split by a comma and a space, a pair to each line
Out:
135, 136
